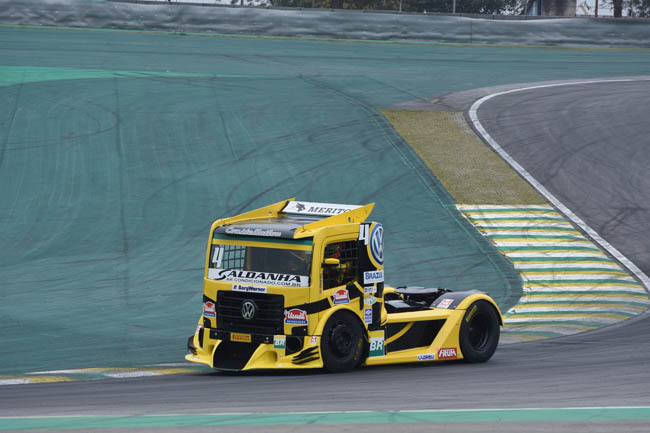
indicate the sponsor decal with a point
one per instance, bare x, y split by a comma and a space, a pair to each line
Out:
427, 357
445, 303
447, 353
374, 242
252, 277
367, 315
241, 338
314, 339
373, 277
471, 313
341, 296
209, 309
279, 341
363, 233
370, 290
295, 316
377, 244
249, 289
253, 232
217, 256
370, 300
320, 209
248, 309
377, 347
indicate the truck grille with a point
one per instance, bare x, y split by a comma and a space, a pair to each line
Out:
269, 313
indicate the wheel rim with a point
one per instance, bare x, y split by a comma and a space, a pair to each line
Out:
479, 331
341, 340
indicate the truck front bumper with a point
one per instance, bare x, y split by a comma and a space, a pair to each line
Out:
231, 351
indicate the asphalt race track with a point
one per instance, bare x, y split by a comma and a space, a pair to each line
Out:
560, 130
599, 369
604, 368
594, 156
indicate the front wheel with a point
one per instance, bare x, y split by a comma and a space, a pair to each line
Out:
342, 342
479, 332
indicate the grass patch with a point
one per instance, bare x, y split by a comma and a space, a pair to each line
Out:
467, 168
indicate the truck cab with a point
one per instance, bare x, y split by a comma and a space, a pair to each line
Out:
301, 285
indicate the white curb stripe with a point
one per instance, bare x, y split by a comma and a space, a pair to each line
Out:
551, 246
14, 381
514, 215
550, 254
558, 329
591, 297
550, 265
522, 224
562, 277
530, 233
470, 207
551, 289
523, 308
572, 318
128, 374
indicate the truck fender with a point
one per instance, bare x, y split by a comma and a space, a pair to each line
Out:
462, 301
328, 313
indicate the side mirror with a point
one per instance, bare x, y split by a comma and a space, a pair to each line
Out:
331, 263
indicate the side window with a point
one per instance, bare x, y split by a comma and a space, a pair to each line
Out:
346, 252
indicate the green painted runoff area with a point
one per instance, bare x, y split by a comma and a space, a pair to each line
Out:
119, 149
269, 419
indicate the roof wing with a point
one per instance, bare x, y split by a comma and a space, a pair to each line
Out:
269, 211
317, 209
352, 216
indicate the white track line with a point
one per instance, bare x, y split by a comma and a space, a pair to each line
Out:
540, 188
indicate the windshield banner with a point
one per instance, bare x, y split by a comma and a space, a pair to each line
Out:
252, 277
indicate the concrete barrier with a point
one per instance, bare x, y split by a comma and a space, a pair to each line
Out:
315, 23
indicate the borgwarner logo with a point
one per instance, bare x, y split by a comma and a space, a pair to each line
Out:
248, 309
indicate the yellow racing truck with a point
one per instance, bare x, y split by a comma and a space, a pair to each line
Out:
298, 285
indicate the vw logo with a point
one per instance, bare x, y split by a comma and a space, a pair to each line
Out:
248, 309
377, 244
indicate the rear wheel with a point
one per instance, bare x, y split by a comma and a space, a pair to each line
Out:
342, 342
479, 332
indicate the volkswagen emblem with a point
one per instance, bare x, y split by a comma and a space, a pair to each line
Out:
248, 309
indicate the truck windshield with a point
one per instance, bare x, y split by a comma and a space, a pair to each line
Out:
258, 265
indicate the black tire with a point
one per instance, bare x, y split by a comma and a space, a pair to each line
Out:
342, 342
479, 332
